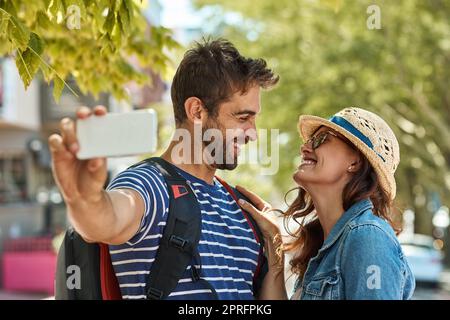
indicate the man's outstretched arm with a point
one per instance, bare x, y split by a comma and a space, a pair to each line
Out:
111, 217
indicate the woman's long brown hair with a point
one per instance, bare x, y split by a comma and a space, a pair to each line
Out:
309, 236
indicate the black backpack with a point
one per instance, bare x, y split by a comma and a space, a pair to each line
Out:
84, 270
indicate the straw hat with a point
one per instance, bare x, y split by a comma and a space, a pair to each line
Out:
369, 133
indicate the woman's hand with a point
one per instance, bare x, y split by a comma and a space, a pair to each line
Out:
273, 287
260, 212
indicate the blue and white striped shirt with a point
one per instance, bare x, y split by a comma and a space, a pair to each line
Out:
228, 249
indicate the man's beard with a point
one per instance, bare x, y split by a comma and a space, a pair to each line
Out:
229, 158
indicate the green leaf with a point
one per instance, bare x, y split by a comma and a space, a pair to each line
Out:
47, 72
10, 7
117, 36
5, 47
107, 45
125, 68
55, 7
35, 43
18, 33
43, 21
58, 86
129, 7
110, 21
115, 5
28, 61
124, 16
22, 68
4, 20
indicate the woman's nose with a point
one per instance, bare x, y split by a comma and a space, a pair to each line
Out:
306, 148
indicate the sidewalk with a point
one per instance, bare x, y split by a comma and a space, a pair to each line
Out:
9, 295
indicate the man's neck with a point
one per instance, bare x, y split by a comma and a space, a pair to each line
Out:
201, 171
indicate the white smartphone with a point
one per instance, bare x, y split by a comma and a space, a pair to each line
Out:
117, 134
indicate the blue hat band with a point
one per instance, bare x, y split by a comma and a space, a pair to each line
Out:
353, 130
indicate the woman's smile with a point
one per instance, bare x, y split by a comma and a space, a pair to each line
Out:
307, 162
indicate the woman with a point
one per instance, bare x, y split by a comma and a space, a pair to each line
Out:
345, 246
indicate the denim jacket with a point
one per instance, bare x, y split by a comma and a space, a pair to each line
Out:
360, 259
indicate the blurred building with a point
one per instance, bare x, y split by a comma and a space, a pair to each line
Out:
20, 177
30, 203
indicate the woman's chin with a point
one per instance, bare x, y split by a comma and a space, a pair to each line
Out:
307, 175
300, 177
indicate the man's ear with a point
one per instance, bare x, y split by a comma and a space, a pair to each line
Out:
195, 111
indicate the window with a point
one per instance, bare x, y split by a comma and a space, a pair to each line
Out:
13, 185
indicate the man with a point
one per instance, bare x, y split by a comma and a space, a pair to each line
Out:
214, 88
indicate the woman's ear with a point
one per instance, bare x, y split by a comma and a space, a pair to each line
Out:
194, 109
355, 165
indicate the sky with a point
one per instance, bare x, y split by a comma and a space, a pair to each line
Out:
179, 14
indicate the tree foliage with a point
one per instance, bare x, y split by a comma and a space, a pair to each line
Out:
329, 59
90, 41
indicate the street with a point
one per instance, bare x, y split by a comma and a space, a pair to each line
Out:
422, 292
442, 292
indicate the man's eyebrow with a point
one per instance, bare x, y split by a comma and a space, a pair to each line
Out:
246, 112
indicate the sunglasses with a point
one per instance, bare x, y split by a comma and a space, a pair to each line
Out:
320, 138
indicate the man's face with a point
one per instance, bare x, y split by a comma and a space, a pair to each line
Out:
236, 121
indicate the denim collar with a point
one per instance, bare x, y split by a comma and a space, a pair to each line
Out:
351, 213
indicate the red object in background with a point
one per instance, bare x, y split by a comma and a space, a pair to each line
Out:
29, 264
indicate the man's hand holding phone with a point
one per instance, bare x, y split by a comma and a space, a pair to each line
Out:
78, 180
111, 217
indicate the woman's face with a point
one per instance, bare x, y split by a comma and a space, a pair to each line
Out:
331, 163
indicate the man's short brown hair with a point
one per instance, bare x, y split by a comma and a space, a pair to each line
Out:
213, 71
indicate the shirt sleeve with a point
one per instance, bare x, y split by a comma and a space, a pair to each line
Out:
371, 265
149, 183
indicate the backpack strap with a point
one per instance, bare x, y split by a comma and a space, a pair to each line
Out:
262, 267
181, 235
108, 280
75, 251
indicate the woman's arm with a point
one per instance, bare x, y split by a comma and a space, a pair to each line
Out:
371, 266
273, 286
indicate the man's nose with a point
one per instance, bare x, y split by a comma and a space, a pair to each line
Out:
250, 132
